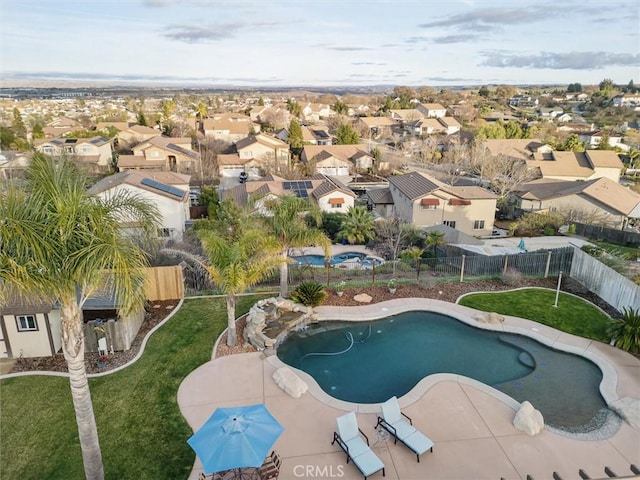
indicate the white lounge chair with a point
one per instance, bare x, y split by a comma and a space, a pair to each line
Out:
350, 440
402, 429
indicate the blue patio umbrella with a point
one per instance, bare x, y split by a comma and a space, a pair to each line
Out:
235, 437
521, 245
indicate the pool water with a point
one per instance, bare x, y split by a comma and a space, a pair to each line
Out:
390, 356
362, 259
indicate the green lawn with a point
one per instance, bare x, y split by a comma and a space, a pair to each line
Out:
572, 315
142, 433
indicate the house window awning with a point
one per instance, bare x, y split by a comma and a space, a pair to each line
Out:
459, 201
429, 201
336, 201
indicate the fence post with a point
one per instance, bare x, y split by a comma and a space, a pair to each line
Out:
328, 267
462, 268
506, 264
546, 269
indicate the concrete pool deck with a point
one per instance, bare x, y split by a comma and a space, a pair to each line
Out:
469, 423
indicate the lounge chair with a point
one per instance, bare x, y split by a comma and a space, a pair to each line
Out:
350, 440
402, 429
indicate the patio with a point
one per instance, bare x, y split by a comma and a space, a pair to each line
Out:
470, 424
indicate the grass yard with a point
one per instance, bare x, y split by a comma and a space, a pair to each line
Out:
142, 433
573, 315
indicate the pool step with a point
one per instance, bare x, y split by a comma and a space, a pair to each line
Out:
527, 360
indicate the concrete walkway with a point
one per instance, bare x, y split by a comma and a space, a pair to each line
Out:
470, 423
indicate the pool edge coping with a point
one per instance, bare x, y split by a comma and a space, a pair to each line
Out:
546, 335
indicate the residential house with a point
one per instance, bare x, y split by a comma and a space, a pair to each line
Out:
232, 166
337, 160
229, 127
330, 194
572, 166
380, 202
550, 113
524, 101
630, 100
135, 134
564, 118
161, 153
379, 127
592, 139
168, 191
406, 115
314, 112
519, 149
116, 125
274, 116
431, 126
95, 153
424, 201
271, 153
358, 110
14, 165
314, 135
61, 126
434, 110
598, 201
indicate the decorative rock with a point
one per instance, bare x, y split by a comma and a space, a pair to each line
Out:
276, 315
629, 409
289, 382
528, 419
363, 298
491, 317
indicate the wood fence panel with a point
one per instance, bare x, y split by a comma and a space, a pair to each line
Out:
164, 283
615, 289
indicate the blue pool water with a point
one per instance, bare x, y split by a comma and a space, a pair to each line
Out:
318, 260
390, 356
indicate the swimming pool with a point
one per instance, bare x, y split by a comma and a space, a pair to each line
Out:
345, 360
357, 258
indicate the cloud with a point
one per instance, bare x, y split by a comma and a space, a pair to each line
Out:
195, 34
380, 64
456, 39
561, 61
349, 49
55, 75
487, 19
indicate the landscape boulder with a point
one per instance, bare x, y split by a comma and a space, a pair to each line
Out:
363, 298
528, 419
289, 382
491, 317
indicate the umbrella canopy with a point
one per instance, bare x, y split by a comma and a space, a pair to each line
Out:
235, 437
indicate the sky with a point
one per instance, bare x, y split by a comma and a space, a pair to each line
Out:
348, 43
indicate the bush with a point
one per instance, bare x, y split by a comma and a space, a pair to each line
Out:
309, 293
626, 331
511, 277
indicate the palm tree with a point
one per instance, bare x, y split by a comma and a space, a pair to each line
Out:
414, 253
626, 331
435, 239
58, 242
235, 260
358, 226
285, 220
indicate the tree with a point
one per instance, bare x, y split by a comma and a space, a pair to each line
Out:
202, 111
142, 120
484, 91
7, 137
606, 87
58, 242
237, 262
294, 108
358, 226
393, 235
37, 131
506, 173
340, 107
572, 144
492, 130
295, 139
435, 239
346, 135
626, 331
574, 88
285, 221
414, 254
18, 126
513, 130
261, 101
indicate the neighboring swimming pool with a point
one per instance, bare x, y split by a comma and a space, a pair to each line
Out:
347, 361
358, 258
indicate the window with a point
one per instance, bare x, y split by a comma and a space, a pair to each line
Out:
428, 207
450, 223
165, 232
478, 225
336, 205
26, 323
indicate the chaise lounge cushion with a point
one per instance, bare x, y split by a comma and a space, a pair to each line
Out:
357, 449
402, 429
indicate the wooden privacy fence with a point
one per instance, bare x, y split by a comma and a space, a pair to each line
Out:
164, 283
615, 289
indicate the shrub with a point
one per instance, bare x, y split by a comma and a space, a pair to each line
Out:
310, 293
572, 229
549, 231
626, 331
511, 277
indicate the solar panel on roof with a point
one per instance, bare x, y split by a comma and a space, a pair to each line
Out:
286, 185
176, 192
308, 184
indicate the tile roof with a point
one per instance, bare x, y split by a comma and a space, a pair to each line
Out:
136, 178
380, 196
468, 192
604, 158
343, 152
516, 148
138, 161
